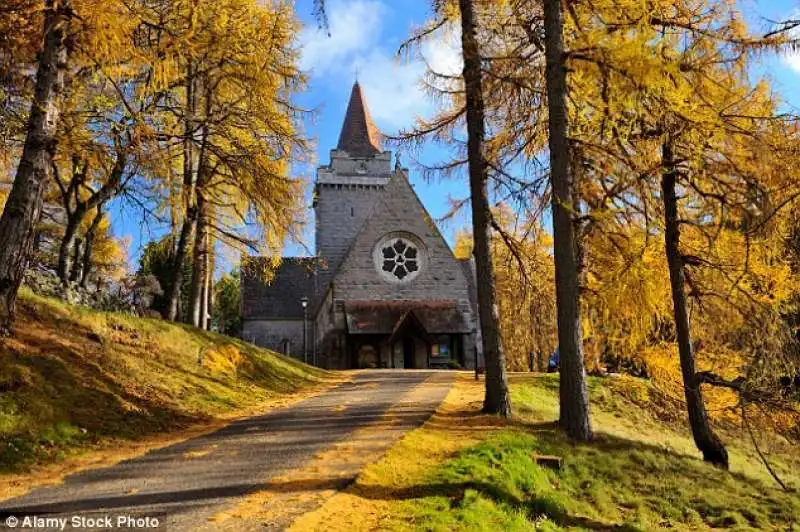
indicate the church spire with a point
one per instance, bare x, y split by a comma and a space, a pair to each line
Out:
359, 136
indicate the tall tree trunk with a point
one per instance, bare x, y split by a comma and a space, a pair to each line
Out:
188, 193
24, 205
178, 262
88, 246
707, 442
197, 292
581, 228
574, 398
77, 253
210, 281
67, 247
197, 298
204, 295
80, 169
497, 399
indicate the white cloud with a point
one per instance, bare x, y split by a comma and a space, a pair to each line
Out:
792, 58
354, 28
392, 87
443, 53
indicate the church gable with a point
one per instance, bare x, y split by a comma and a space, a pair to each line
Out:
399, 254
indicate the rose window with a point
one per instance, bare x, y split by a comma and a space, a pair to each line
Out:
400, 258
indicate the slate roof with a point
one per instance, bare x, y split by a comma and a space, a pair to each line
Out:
382, 317
359, 137
280, 297
409, 321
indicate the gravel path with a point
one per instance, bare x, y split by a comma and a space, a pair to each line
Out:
185, 485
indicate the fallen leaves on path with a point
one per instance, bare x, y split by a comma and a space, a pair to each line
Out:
322, 478
368, 502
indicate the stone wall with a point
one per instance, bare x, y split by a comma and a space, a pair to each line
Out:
344, 194
342, 163
273, 334
340, 213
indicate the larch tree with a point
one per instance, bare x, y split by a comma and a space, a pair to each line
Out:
520, 83
24, 203
254, 137
574, 397
631, 73
493, 138
686, 153
709, 444
232, 129
497, 399
74, 33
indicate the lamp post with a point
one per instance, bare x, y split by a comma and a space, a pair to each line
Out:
304, 303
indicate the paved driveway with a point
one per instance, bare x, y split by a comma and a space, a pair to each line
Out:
187, 485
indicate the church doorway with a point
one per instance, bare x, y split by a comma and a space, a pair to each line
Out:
408, 352
367, 357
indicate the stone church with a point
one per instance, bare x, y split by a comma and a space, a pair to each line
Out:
384, 289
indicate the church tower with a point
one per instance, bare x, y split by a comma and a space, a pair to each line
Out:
346, 189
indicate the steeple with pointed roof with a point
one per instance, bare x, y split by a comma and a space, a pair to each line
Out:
359, 137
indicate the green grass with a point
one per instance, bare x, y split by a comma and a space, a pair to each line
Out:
72, 379
637, 474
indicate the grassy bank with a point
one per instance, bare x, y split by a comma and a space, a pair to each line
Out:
73, 379
466, 471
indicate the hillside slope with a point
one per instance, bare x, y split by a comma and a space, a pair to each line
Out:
73, 379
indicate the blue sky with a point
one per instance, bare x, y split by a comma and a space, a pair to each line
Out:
365, 36
784, 70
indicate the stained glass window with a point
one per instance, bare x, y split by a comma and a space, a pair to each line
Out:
400, 258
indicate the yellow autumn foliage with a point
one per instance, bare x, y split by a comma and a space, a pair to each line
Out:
225, 359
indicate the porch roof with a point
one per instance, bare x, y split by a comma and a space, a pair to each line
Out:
384, 317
